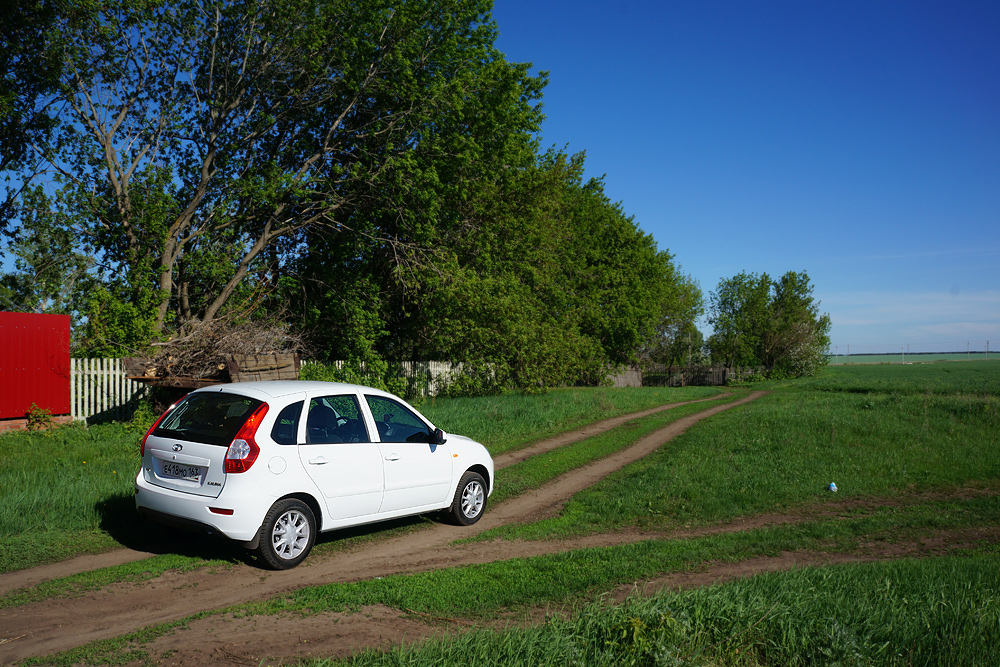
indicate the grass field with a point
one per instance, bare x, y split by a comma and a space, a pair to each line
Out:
912, 449
940, 612
69, 491
783, 450
902, 357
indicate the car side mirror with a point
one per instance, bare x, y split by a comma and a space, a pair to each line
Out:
437, 438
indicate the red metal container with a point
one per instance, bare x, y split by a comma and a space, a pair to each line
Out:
34, 364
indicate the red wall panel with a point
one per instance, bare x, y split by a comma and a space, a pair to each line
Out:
34, 364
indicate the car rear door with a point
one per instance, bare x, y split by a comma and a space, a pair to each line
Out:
340, 457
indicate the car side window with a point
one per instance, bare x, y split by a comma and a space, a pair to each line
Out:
286, 426
334, 419
396, 422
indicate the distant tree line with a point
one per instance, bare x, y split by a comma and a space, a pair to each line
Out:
368, 174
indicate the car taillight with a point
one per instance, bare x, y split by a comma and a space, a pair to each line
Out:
244, 450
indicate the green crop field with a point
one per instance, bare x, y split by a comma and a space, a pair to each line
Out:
902, 357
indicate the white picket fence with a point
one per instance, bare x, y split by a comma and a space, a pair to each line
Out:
100, 391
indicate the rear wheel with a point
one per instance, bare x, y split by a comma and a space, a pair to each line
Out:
287, 534
470, 499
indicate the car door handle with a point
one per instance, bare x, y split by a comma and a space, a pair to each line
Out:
320, 461
392, 457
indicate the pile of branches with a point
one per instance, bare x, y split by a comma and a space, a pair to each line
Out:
201, 350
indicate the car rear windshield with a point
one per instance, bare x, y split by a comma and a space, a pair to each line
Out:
213, 418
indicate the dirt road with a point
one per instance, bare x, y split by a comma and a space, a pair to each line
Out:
56, 625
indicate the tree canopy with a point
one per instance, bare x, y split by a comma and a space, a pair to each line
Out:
367, 171
771, 324
203, 139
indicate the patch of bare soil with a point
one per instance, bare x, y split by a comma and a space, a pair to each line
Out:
227, 640
56, 625
30, 577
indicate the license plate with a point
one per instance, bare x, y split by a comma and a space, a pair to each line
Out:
181, 471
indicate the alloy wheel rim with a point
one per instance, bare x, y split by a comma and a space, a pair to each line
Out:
472, 499
290, 535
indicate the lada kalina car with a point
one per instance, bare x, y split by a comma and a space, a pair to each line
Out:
270, 464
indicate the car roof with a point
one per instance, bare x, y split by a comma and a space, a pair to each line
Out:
279, 388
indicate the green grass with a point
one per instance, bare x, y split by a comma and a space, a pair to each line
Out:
69, 491
568, 577
568, 580
975, 377
538, 470
911, 358
508, 422
66, 492
784, 449
882, 433
942, 611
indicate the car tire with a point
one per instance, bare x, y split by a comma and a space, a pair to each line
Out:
470, 500
287, 534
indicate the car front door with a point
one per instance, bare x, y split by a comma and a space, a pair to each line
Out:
341, 458
417, 473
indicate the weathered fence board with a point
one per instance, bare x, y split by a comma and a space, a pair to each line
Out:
100, 390
678, 376
250, 367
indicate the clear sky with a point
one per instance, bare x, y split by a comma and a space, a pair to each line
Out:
858, 141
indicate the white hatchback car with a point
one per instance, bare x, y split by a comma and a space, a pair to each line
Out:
270, 464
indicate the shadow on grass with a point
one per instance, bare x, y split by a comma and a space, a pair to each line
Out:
120, 520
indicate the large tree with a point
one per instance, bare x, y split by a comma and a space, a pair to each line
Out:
771, 324
31, 60
30, 65
536, 278
557, 285
205, 139
364, 292
372, 167
677, 340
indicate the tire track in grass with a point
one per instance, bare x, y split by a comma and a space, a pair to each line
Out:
56, 625
10, 581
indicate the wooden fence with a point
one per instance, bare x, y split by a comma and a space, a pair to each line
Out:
677, 376
99, 390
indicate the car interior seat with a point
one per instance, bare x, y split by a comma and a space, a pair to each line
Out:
321, 424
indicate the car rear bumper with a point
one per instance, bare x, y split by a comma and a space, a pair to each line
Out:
200, 513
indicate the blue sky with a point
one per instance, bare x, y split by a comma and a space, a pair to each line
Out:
858, 141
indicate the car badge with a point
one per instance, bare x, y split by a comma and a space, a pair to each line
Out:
178, 448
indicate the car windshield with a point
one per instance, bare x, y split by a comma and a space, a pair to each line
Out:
212, 418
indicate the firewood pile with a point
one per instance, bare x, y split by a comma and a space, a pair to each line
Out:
220, 351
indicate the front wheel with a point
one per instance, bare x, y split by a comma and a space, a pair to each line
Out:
287, 534
470, 499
